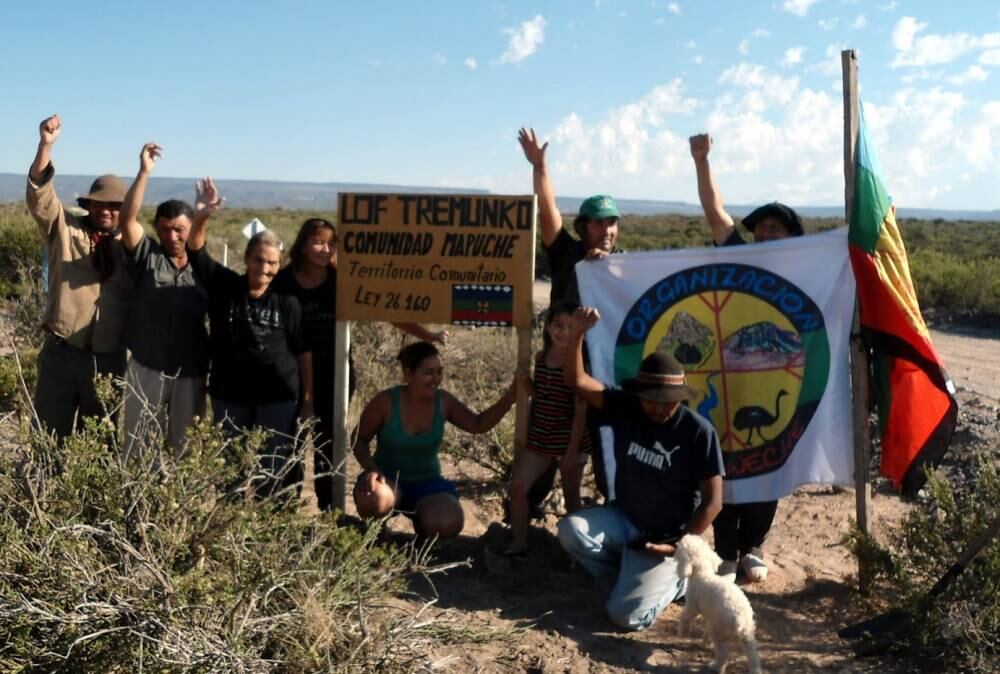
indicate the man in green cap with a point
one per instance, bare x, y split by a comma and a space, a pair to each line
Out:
596, 225
88, 291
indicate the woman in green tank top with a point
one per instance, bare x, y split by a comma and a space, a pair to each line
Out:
408, 421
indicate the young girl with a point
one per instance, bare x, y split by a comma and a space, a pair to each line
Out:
311, 277
556, 428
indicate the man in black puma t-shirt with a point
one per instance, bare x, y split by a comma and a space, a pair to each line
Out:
668, 482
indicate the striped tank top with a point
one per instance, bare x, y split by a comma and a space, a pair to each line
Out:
552, 412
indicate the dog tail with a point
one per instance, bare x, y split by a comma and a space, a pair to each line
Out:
753, 657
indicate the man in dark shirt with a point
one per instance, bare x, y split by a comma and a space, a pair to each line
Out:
596, 225
741, 529
668, 482
166, 330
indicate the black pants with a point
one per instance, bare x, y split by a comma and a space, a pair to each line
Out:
741, 527
65, 390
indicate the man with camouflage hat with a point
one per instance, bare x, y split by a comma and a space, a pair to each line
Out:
88, 291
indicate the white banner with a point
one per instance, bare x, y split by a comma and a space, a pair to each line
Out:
763, 333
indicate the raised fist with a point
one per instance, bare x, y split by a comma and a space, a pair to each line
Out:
49, 129
700, 145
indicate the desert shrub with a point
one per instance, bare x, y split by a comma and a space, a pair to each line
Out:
166, 565
962, 286
18, 375
960, 631
20, 254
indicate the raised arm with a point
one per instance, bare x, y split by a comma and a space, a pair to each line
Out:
48, 132
206, 202
128, 218
588, 388
461, 416
708, 192
548, 212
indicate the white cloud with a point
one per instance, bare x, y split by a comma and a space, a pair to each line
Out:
440, 58
698, 59
524, 41
779, 139
973, 74
859, 22
798, 7
674, 8
751, 76
915, 50
793, 56
744, 44
828, 24
831, 64
889, 6
990, 57
470, 63
633, 140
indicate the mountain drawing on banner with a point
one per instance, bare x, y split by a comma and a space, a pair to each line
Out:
764, 345
690, 342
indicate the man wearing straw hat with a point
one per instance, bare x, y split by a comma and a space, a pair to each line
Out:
668, 482
88, 291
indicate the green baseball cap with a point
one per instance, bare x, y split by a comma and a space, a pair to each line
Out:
599, 206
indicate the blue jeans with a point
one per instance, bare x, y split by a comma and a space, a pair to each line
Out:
639, 584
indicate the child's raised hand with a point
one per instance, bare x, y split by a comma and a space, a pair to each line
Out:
584, 318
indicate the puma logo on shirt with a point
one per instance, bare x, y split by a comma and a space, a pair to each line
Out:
655, 457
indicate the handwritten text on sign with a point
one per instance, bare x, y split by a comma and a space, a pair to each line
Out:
433, 258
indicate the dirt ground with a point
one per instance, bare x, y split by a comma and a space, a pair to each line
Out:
546, 617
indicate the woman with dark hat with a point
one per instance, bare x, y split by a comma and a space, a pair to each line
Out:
667, 483
741, 529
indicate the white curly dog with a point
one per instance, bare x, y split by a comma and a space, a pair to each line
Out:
728, 615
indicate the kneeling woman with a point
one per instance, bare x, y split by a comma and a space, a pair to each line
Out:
408, 420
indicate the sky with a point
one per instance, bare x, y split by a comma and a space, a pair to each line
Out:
432, 93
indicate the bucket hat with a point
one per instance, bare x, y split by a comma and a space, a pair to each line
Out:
784, 214
661, 379
107, 188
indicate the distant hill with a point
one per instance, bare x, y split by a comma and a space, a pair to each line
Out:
322, 197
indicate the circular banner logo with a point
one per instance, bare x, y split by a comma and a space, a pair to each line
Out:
754, 348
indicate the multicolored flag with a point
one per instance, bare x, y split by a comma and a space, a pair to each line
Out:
915, 398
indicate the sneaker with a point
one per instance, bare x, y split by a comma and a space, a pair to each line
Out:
753, 566
727, 570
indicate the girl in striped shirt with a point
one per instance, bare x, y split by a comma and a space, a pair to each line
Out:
556, 430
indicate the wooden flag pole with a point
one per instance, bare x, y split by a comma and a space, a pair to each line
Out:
341, 437
859, 354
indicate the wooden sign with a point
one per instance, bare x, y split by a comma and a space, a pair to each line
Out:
463, 259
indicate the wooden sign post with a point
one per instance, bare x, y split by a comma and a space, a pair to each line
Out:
460, 259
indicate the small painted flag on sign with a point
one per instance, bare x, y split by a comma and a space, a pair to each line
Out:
482, 305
